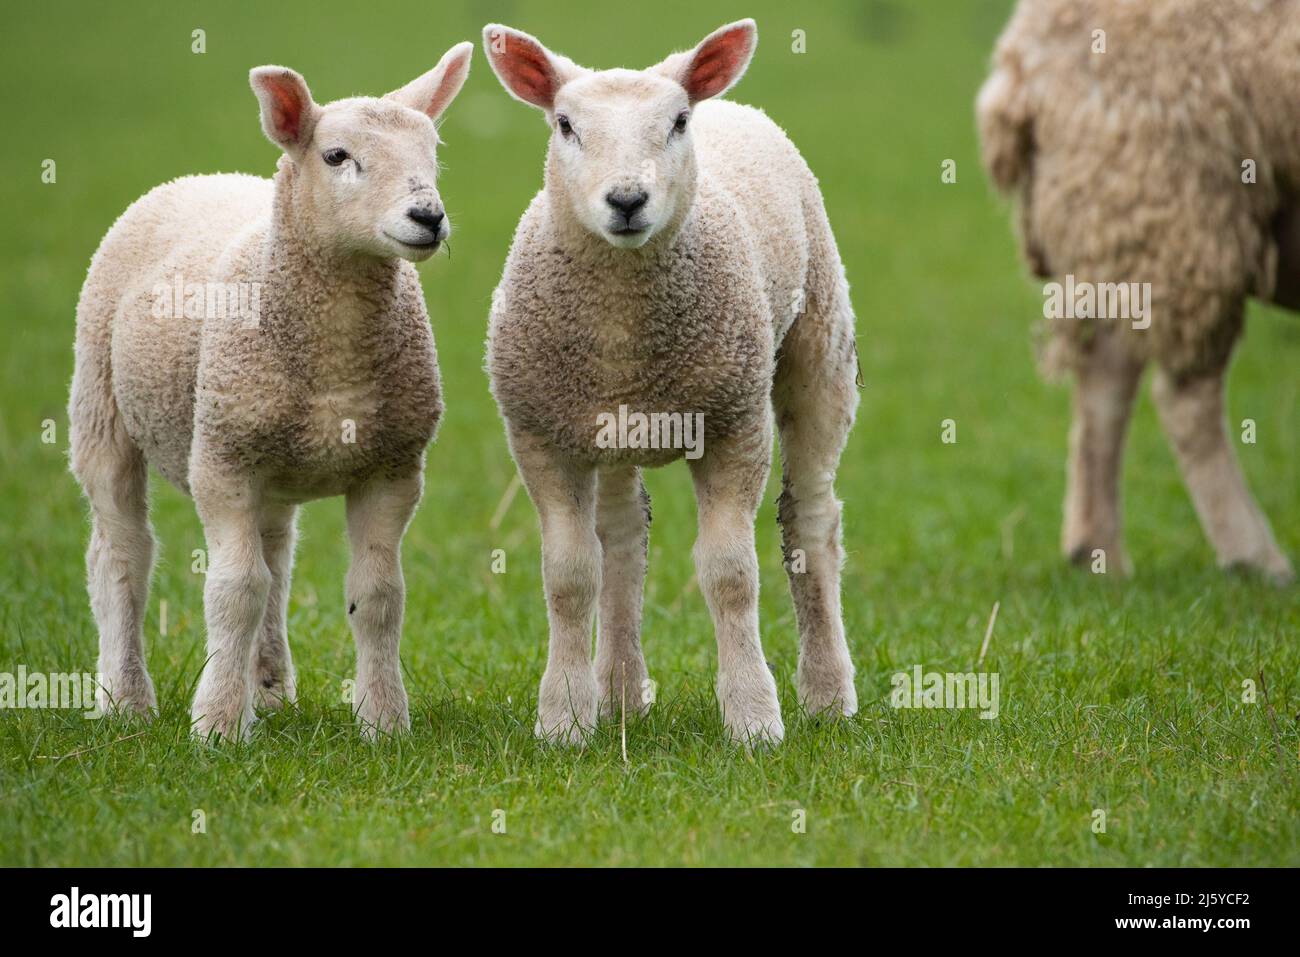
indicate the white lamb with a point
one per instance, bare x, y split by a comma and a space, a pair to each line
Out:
678, 261
264, 343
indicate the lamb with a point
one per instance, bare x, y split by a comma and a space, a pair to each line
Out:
321, 380
677, 261
1159, 143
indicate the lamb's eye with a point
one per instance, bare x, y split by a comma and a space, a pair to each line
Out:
680, 125
334, 157
566, 128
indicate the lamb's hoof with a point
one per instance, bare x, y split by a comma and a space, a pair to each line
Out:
212, 724
1282, 578
567, 706
829, 695
1100, 559
1273, 568
382, 709
129, 696
750, 712
563, 734
636, 695
755, 733
384, 725
273, 692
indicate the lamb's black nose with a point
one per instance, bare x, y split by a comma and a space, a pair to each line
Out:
627, 203
426, 218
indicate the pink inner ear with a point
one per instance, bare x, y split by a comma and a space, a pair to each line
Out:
448, 82
528, 72
716, 65
286, 107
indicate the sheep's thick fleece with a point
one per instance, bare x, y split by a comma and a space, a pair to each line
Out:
270, 396
1128, 163
579, 327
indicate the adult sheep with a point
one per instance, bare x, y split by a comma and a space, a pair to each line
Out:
678, 262
1154, 143
263, 343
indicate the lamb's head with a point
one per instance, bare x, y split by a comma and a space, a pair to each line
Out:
365, 169
621, 158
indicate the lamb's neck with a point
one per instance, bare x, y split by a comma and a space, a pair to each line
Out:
317, 295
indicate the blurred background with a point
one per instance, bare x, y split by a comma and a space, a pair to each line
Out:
881, 96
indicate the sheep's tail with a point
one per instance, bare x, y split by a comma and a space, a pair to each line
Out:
1006, 127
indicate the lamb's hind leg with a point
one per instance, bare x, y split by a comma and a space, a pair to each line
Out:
112, 472
274, 683
1191, 410
622, 524
815, 398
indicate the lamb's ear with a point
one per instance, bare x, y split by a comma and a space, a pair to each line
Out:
717, 63
288, 112
433, 92
527, 70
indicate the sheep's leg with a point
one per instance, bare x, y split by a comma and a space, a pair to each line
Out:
564, 495
234, 600
729, 481
1192, 412
118, 564
378, 514
1103, 402
622, 524
815, 398
274, 682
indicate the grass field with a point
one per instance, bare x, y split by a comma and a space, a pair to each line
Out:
1119, 696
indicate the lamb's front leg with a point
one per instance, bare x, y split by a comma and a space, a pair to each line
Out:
729, 481
564, 495
234, 603
375, 592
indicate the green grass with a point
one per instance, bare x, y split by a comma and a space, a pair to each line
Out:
1118, 695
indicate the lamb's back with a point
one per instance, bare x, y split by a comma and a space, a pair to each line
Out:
1145, 139
1149, 142
745, 155
178, 233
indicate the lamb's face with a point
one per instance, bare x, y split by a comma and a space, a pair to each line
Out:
621, 154
370, 177
367, 169
621, 159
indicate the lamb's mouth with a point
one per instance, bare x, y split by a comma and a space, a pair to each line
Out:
628, 231
431, 244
